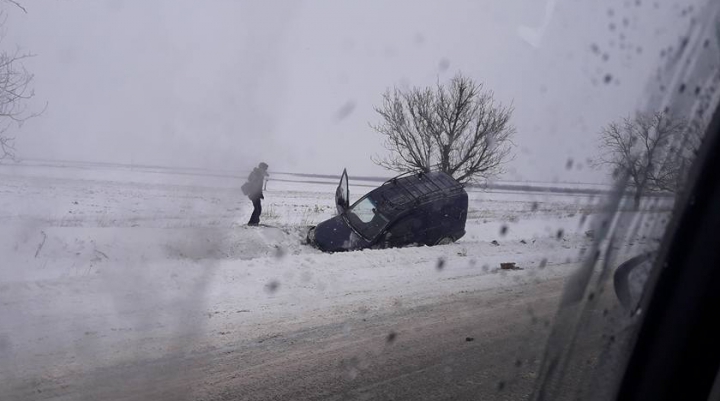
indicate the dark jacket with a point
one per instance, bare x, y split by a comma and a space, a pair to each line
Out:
255, 182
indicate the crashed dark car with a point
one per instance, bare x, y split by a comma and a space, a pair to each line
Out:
412, 209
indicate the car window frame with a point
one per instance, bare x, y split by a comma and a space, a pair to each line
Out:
361, 233
675, 352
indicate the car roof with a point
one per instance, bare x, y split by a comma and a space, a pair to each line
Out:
400, 193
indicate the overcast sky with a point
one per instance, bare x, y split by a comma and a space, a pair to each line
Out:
226, 84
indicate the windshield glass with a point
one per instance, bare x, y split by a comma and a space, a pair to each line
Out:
164, 166
364, 217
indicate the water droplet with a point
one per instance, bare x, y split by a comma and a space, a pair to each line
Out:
272, 286
345, 110
443, 65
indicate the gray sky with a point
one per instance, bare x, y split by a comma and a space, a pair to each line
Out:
225, 84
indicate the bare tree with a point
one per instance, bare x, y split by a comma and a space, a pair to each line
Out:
15, 89
458, 129
653, 149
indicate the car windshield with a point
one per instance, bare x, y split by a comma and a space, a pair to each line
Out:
169, 203
364, 217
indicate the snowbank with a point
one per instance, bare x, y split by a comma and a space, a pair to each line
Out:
100, 271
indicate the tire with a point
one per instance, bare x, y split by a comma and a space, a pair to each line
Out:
310, 237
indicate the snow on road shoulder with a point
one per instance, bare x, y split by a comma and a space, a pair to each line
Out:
113, 295
100, 272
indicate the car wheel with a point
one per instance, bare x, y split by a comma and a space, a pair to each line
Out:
445, 241
310, 238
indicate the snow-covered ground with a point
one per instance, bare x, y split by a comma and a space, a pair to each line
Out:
104, 266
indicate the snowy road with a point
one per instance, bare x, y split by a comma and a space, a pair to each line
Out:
139, 287
405, 353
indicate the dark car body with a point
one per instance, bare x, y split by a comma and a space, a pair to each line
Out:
419, 208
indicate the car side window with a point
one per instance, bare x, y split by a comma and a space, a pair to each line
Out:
406, 227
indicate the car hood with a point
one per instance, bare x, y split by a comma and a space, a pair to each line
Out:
334, 235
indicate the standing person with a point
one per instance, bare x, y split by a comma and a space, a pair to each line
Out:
253, 188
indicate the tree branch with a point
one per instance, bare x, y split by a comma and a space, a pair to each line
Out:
17, 4
456, 128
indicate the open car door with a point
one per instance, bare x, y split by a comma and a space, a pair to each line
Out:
342, 194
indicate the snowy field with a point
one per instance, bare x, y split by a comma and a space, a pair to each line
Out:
101, 267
